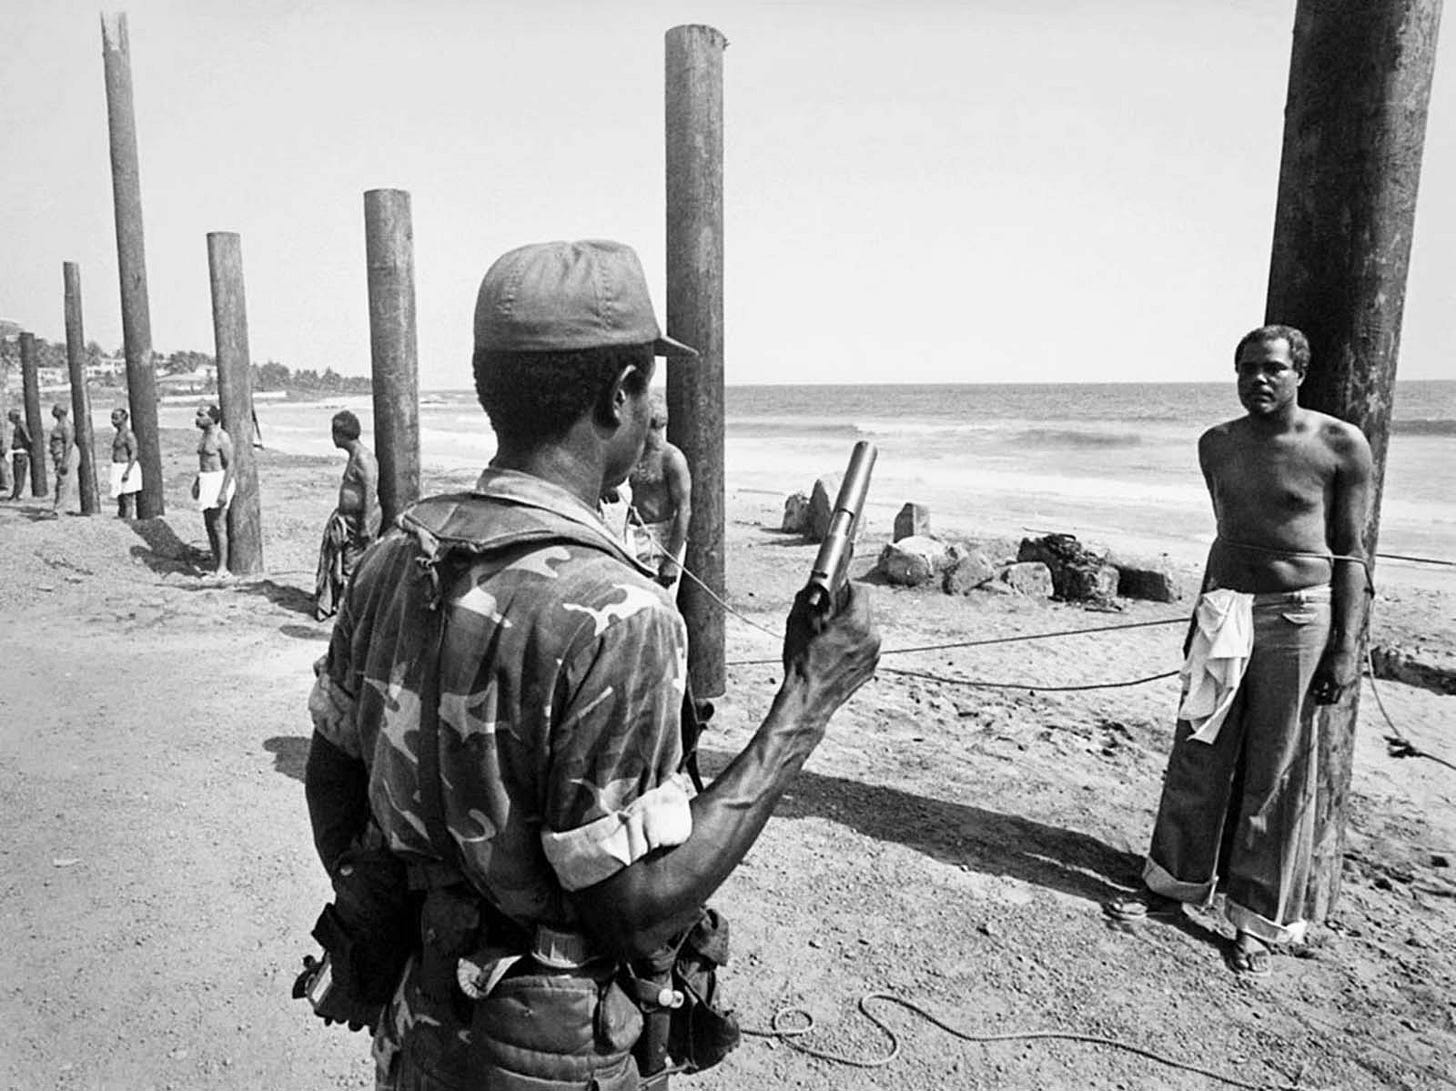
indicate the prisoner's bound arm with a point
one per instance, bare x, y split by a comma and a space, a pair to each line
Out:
640, 908
1339, 667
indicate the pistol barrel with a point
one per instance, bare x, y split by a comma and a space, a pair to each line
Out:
838, 545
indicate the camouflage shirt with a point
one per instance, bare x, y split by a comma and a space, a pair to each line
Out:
561, 678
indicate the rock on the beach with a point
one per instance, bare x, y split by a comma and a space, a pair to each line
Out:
912, 522
967, 573
1079, 574
821, 506
1153, 581
796, 514
1031, 578
1088, 582
912, 561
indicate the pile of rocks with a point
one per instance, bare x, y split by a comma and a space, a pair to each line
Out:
1054, 566
1051, 566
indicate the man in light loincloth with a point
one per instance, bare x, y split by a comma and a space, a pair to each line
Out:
354, 522
126, 471
662, 501
64, 454
215, 484
1275, 633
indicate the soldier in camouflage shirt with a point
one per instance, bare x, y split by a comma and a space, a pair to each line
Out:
558, 684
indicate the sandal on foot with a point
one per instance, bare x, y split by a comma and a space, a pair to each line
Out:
1250, 957
1141, 906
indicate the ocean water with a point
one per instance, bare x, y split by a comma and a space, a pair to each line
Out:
1112, 463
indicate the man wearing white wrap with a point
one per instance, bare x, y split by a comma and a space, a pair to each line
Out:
1274, 635
126, 471
215, 484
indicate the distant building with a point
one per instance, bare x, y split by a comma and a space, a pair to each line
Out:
201, 381
106, 365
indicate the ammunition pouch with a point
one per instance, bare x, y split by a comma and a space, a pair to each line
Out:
687, 1029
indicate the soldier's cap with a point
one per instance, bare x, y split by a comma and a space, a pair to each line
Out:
566, 296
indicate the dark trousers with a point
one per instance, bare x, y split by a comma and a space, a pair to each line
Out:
21, 463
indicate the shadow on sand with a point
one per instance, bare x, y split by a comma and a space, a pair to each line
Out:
983, 840
290, 754
959, 833
165, 553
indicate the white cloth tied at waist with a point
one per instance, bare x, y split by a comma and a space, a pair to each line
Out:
1218, 655
209, 489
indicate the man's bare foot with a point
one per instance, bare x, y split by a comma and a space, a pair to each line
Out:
1250, 956
1142, 905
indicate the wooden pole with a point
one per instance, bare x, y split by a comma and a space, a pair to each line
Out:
34, 422
136, 322
7, 460
235, 399
80, 394
1354, 129
389, 244
694, 115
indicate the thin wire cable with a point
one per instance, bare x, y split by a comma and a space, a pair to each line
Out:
1415, 560
1028, 686
790, 1036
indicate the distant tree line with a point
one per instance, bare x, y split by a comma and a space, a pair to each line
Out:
267, 376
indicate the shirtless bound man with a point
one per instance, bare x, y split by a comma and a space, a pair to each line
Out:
662, 491
20, 451
215, 484
64, 454
354, 523
1274, 634
126, 471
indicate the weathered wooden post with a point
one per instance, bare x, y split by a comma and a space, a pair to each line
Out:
80, 395
136, 322
235, 398
1354, 129
7, 461
694, 115
389, 245
34, 421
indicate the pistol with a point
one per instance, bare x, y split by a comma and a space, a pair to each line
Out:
827, 576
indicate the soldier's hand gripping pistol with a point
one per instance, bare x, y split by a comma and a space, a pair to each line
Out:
822, 594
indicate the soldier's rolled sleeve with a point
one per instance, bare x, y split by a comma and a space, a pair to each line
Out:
331, 707
614, 791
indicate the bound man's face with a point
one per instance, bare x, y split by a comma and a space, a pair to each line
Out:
1268, 381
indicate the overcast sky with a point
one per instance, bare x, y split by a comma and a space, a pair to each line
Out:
915, 190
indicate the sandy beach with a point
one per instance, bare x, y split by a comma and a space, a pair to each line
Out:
949, 844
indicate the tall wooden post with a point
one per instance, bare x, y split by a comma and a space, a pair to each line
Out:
7, 461
1354, 128
235, 399
389, 245
136, 322
694, 115
80, 394
34, 422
